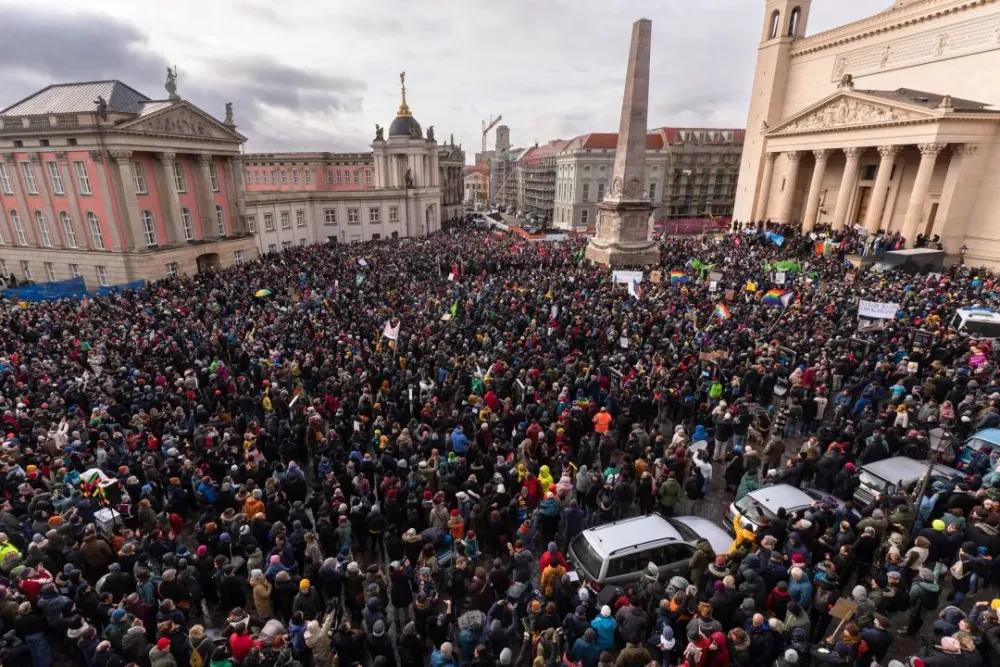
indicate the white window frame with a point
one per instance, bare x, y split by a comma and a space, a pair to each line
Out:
213, 176
300, 218
139, 177
274, 177
652, 192
374, 215
74, 270
585, 192
252, 224
600, 192
286, 219
329, 216
284, 177
302, 241
220, 220
172, 269
68, 231
29, 178
180, 184
393, 214
50, 271
584, 217
44, 238
82, 177
286, 244
295, 176
148, 228
353, 216
96, 233
187, 224
55, 178
240, 257
272, 247
26, 269
309, 176
102, 276
329, 177
268, 222
5, 185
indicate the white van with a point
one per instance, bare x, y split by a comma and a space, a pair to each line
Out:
982, 322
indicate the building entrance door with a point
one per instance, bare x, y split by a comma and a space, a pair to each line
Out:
864, 197
209, 262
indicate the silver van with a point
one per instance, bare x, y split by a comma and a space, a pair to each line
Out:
618, 552
896, 473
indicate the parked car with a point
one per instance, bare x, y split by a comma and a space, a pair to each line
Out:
986, 441
618, 552
896, 473
768, 500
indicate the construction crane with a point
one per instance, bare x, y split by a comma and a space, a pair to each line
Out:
487, 126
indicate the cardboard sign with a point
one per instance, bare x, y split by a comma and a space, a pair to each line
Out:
849, 277
655, 277
713, 286
713, 356
730, 294
715, 276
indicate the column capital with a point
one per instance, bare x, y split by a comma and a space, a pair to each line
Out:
120, 156
821, 153
166, 156
771, 156
854, 152
932, 149
793, 156
965, 150
889, 150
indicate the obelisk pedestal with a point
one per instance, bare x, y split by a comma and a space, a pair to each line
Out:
622, 237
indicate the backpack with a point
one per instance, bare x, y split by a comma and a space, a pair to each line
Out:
196, 658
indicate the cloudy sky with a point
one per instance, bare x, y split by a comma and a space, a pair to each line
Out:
318, 76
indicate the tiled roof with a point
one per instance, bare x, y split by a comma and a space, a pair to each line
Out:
78, 98
609, 140
672, 135
924, 99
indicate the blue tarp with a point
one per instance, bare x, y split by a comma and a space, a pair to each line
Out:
74, 288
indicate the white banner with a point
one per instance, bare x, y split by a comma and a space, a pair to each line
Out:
876, 310
391, 331
626, 277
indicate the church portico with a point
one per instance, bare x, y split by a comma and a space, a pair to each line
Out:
872, 159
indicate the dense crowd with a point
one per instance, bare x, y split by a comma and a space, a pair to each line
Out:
378, 454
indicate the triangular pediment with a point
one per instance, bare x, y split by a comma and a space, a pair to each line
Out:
849, 110
181, 119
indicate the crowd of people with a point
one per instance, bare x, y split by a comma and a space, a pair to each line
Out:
379, 454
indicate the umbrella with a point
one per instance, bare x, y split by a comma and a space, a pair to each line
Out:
262, 293
471, 620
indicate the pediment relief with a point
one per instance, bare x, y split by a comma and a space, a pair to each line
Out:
182, 121
846, 111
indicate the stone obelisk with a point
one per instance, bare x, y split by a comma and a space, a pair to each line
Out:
622, 237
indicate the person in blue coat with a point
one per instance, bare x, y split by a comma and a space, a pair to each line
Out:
459, 441
604, 625
585, 649
800, 588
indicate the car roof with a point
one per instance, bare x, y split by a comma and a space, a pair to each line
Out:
781, 495
991, 435
618, 535
903, 469
707, 530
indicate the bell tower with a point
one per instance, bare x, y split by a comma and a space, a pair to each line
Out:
784, 22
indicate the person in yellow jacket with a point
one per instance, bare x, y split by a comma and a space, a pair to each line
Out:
6, 548
742, 535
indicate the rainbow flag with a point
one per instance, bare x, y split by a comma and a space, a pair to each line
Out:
778, 297
722, 312
678, 277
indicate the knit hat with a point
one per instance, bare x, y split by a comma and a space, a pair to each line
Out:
446, 649
938, 524
378, 629
163, 643
506, 656
606, 611
304, 584
791, 656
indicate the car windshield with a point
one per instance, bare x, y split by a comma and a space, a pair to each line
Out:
985, 328
589, 560
687, 534
872, 482
751, 509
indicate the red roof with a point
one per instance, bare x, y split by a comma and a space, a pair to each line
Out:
608, 140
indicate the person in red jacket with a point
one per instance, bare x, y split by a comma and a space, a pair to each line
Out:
241, 643
551, 554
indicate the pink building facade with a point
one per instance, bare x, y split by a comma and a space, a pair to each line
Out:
99, 181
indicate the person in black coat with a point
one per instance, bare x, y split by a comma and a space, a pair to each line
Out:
878, 637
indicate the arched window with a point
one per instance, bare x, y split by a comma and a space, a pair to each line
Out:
775, 25
148, 230
68, 231
43, 230
220, 219
96, 235
793, 22
15, 221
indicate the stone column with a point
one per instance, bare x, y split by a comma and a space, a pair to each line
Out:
77, 219
124, 186
812, 199
760, 211
206, 202
788, 196
435, 176
918, 196
961, 156
847, 182
234, 176
880, 191
168, 193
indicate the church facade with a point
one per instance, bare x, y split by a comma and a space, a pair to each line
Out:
888, 123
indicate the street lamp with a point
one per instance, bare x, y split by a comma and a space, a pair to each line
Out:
940, 440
